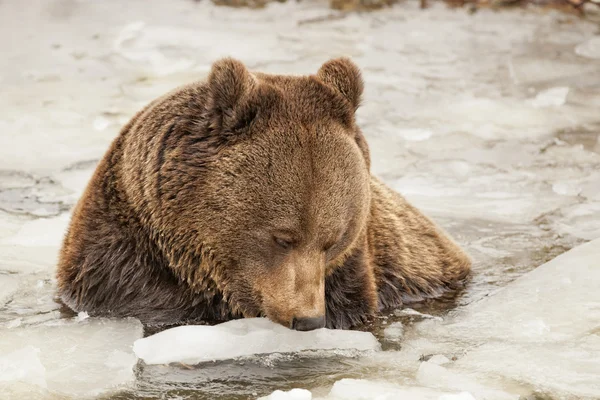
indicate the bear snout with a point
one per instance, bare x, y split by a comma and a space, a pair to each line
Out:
308, 324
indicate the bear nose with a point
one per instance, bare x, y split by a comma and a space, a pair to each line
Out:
308, 324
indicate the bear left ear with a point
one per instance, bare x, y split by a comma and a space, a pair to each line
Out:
230, 85
344, 76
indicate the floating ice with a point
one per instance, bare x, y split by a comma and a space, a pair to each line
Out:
14, 323
541, 330
415, 313
40, 232
394, 331
580, 220
415, 135
566, 188
24, 366
437, 376
242, 337
101, 123
137, 43
589, 49
294, 394
68, 358
82, 316
459, 396
485, 173
359, 389
439, 359
553, 97
8, 286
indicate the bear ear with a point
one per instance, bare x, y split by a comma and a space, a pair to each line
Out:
344, 76
229, 86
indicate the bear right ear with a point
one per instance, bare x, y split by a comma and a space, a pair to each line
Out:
344, 76
229, 85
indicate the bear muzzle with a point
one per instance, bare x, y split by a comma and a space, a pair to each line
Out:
308, 324
293, 295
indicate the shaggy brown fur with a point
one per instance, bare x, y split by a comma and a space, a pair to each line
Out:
250, 194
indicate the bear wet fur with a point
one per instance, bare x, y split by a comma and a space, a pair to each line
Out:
250, 194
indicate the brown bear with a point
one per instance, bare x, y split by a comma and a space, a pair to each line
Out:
245, 195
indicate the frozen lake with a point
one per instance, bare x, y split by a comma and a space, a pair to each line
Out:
489, 122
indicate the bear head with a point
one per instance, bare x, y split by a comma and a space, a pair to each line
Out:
270, 184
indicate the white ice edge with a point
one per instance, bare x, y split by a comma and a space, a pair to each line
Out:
194, 344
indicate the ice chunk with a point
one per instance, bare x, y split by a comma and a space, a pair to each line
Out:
294, 394
394, 331
541, 330
101, 123
22, 365
415, 135
15, 323
8, 286
433, 375
590, 48
67, 357
459, 396
137, 43
553, 97
565, 369
557, 301
566, 188
171, 49
359, 389
40, 232
82, 316
580, 220
243, 337
439, 359
415, 313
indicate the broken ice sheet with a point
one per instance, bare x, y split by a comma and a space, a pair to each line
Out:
68, 358
540, 331
359, 389
8, 286
362, 389
394, 331
294, 394
589, 49
553, 97
194, 344
410, 312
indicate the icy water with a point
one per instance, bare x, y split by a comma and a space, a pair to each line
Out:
488, 122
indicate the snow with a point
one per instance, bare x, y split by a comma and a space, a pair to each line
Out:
244, 337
